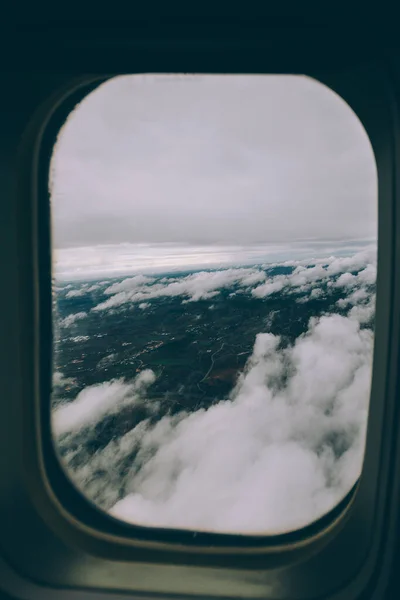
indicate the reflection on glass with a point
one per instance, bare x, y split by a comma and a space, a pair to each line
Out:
215, 266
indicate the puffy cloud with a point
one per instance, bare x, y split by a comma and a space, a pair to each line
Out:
71, 319
302, 276
307, 273
96, 401
359, 295
363, 314
283, 450
270, 287
77, 293
60, 381
79, 338
128, 284
253, 278
367, 275
345, 280
199, 286
280, 451
352, 263
316, 293
204, 285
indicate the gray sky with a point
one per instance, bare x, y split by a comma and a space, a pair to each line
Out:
212, 159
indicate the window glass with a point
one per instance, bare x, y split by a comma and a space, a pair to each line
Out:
214, 269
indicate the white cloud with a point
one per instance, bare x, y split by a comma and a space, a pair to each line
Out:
77, 293
283, 450
96, 401
129, 284
316, 293
253, 278
155, 259
363, 314
289, 441
359, 295
272, 458
79, 338
304, 277
71, 319
270, 287
204, 285
199, 286
367, 275
354, 262
60, 381
345, 280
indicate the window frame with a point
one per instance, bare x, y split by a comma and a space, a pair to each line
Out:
334, 556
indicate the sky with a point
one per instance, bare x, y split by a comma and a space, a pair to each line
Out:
213, 160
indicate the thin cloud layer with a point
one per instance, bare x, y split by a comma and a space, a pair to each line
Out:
128, 259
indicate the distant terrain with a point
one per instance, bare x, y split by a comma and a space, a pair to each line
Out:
145, 364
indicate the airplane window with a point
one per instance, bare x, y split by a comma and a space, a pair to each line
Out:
214, 266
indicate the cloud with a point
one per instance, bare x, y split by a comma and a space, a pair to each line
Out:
282, 449
94, 402
205, 285
270, 287
128, 284
71, 319
316, 293
302, 275
363, 314
305, 276
76, 293
355, 262
359, 295
345, 280
281, 452
60, 381
367, 275
253, 278
199, 286
129, 259
79, 338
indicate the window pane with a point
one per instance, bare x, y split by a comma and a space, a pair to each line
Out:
214, 265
